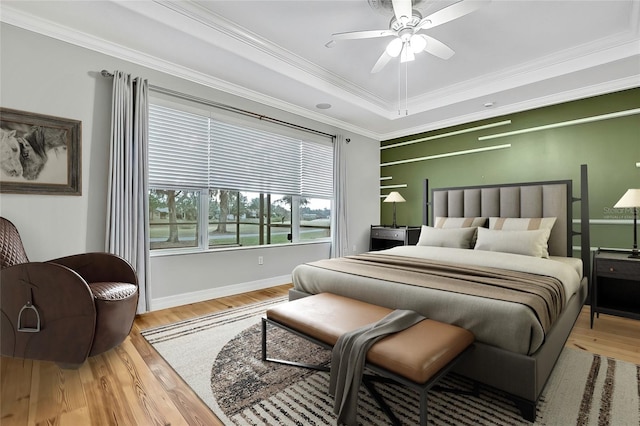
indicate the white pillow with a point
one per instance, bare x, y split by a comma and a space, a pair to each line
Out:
530, 243
461, 222
450, 237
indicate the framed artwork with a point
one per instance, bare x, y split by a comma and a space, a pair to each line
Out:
39, 154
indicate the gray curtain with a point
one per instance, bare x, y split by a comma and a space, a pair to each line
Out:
127, 203
340, 237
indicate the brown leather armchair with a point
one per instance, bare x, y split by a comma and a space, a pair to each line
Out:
66, 309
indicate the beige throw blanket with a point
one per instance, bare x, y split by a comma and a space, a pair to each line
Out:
544, 295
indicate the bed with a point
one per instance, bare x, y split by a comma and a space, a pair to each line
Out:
523, 234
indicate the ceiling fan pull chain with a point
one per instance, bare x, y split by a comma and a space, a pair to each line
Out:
399, 87
406, 88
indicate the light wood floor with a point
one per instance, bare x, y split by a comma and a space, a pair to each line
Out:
133, 385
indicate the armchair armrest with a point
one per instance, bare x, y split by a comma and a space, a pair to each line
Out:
64, 304
99, 266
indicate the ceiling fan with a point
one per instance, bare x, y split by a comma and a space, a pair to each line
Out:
405, 27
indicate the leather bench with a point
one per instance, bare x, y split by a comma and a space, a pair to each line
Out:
416, 357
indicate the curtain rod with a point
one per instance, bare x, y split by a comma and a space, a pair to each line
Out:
225, 107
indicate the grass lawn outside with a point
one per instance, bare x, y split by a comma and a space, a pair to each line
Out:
249, 233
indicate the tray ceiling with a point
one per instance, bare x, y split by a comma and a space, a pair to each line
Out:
511, 55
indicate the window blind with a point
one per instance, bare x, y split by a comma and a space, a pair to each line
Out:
193, 150
252, 160
316, 162
178, 148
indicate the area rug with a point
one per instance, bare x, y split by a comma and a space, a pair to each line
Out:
219, 357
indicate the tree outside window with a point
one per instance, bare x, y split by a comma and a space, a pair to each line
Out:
234, 219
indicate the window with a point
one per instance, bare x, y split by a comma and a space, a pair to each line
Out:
216, 183
173, 218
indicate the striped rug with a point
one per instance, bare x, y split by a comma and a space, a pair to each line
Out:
218, 355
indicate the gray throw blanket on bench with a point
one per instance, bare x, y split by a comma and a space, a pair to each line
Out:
348, 359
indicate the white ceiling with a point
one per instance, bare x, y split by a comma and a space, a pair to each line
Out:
516, 54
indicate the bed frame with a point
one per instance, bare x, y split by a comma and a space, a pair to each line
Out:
522, 376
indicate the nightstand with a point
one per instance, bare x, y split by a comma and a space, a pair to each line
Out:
616, 284
384, 237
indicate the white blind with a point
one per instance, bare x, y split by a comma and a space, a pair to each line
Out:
246, 159
178, 148
188, 150
316, 162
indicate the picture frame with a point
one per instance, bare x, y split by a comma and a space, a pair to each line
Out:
39, 154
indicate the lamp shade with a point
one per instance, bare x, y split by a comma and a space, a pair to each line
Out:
418, 43
631, 198
394, 47
394, 197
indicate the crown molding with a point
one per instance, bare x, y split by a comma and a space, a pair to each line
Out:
572, 60
540, 102
49, 29
253, 47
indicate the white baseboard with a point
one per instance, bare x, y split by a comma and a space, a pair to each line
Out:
214, 293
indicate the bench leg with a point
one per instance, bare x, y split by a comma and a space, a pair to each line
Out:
423, 407
282, 361
368, 381
368, 384
264, 339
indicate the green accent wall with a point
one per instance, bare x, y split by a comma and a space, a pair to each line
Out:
610, 148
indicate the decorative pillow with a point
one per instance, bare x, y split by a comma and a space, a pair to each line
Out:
451, 237
459, 222
530, 243
521, 223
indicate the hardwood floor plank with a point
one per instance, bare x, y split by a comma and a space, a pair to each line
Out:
133, 385
610, 336
142, 397
34, 397
16, 389
75, 417
113, 407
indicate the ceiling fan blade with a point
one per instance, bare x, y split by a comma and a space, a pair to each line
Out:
450, 13
437, 48
382, 61
402, 8
353, 35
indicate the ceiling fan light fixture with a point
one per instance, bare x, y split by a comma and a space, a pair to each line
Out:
405, 24
417, 43
394, 47
407, 54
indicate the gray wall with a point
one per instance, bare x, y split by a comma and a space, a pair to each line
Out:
46, 76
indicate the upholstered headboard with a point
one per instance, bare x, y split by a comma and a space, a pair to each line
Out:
530, 200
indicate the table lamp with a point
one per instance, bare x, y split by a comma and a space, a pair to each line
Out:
631, 198
394, 197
